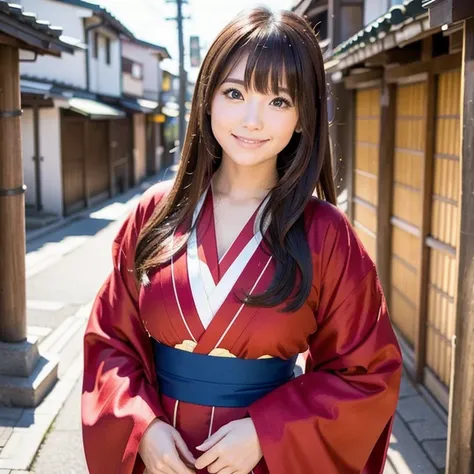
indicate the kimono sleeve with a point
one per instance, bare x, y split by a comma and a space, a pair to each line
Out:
337, 417
120, 394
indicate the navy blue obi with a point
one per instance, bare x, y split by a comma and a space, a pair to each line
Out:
217, 381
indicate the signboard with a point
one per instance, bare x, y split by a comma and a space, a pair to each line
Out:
195, 51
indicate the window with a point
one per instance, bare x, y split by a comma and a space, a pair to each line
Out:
137, 71
107, 50
132, 68
96, 45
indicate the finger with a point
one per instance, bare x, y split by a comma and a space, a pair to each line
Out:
215, 438
162, 469
174, 462
207, 458
183, 449
159, 468
227, 470
217, 466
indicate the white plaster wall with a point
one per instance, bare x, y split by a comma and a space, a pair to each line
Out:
27, 145
131, 85
152, 77
139, 146
69, 68
51, 169
105, 78
151, 70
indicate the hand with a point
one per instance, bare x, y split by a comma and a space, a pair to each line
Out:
159, 448
234, 449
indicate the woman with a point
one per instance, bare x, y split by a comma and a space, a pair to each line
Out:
223, 277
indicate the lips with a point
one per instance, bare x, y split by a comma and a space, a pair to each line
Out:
249, 140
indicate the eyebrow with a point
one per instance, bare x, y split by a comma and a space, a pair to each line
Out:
242, 83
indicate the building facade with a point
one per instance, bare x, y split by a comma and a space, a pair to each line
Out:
84, 128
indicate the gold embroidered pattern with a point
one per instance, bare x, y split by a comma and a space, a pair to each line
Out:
189, 346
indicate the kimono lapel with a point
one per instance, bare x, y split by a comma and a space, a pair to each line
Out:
178, 298
250, 230
198, 284
205, 310
209, 296
242, 266
233, 311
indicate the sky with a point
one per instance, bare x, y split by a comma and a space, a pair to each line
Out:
147, 20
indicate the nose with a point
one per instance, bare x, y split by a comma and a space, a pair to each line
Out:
252, 118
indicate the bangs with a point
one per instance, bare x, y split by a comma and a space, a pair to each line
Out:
271, 60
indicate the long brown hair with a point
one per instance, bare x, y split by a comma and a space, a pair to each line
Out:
274, 42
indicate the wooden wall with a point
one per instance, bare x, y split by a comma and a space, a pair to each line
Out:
410, 126
139, 147
85, 159
365, 186
444, 227
415, 189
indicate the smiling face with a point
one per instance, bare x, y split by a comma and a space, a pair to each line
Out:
251, 127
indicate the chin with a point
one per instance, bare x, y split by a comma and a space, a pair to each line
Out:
248, 159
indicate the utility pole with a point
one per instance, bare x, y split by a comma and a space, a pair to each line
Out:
182, 72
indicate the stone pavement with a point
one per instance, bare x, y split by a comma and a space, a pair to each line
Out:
418, 442
62, 451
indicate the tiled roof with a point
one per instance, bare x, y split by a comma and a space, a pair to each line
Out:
25, 26
102, 12
160, 49
397, 15
56, 86
115, 23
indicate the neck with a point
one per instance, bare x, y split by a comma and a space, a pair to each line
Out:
243, 183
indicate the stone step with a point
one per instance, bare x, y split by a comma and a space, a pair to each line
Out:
30, 391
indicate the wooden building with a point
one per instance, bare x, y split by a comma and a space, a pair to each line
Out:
96, 155
142, 82
68, 121
86, 124
406, 135
334, 21
20, 33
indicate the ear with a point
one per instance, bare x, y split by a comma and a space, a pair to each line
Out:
298, 129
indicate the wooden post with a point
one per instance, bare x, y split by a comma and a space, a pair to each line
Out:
385, 182
113, 132
37, 158
461, 419
425, 225
12, 202
342, 135
334, 17
86, 124
110, 158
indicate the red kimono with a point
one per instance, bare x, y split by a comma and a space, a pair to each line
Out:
334, 419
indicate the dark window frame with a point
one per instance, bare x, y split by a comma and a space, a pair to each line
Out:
108, 50
95, 50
